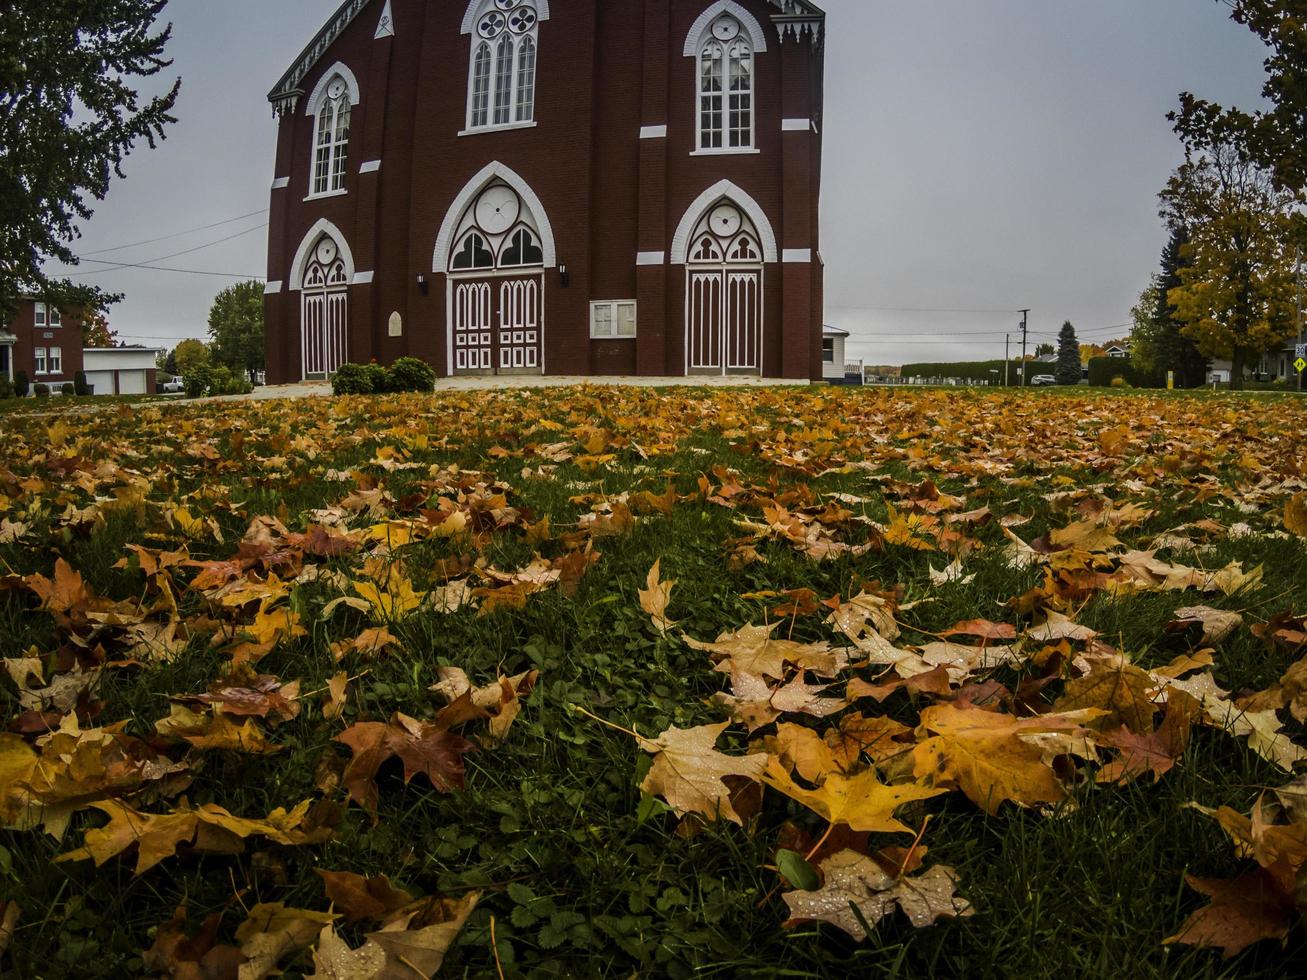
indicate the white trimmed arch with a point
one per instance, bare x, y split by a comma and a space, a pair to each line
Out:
700, 32
486, 176
723, 190
477, 7
301, 261
351, 83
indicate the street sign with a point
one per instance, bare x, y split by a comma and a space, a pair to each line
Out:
1300, 365
1302, 351
1170, 381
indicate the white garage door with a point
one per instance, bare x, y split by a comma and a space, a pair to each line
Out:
131, 383
101, 381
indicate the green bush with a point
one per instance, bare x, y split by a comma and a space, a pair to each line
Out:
6, 388
198, 382
969, 371
411, 374
1103, 370
80, 387
68, 389
41, 390
360, 379
20, 384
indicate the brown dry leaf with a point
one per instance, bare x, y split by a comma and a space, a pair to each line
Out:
272, 932
1242, 911
178, 955
993, 757
370, 644
688, 771
1295, 514
360, 898
754, 650
1119, 688
411, 948
1060, 627
501, 701
1217, 624
655, 599
1156, 752
429, 748
337, 693
861, 802
215, 731
9, 915
853, 879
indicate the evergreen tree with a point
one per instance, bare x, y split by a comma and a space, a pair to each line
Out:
69, 114
1176, 352
1068, 356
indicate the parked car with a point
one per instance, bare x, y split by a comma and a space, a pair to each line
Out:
1042, 381
173, 386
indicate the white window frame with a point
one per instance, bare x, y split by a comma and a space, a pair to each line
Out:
613, 307
40, 316
55, 360
53, 317
39, 352
828, 350
703, 140
484, 106
336, 149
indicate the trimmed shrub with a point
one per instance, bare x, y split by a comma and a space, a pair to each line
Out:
6, 388
80, 387
359, 379
68, 389
1120, 382
970, 371
198, 382
411, 374
20, 384
41, 390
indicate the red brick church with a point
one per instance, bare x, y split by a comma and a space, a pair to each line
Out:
566, 187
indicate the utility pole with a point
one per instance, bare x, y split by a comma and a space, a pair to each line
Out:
1007, 358
1297, 259
1025, 328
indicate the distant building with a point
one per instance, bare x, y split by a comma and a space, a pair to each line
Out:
1117, 350
43, 343
832, 352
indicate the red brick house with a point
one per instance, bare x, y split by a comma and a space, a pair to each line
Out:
43, 343
551, 186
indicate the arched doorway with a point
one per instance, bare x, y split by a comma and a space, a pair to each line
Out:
723, 293
324, 310
496, 260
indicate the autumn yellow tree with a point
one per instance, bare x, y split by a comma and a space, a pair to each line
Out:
1237, 293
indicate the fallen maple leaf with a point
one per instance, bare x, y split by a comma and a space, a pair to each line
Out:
413, 947
1120, 689
655, 599
212, 731
1295, 514
688, 771
1242, 911
360, 898
861, 802
856, 881
429, 748
501, 701
1217, 624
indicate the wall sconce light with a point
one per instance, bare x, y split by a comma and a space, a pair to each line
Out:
564, 277
423, 286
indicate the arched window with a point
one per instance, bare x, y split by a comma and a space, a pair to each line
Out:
522, 248
502, 83
726, 87
324, 310
331, 138
497, 231
725, 235
472, 253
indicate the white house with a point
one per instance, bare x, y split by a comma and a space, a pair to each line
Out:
832, 352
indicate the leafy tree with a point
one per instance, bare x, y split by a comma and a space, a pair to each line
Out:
236, 328
1068, 371
1236, 297
1274, 139
96, 332
191, 355
1089, 351
1158, 343
1045, 350
68, 116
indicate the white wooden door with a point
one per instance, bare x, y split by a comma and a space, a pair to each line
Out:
724, 321
705, 316
472, 333
519, 326
742, 322
324, 322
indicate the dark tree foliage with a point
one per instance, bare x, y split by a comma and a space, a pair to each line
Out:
1044, 350
69, 114
1173, 350
1068, 356
1275, 138
236, 328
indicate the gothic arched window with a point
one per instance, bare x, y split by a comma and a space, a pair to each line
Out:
497, 231
502, 82
331, 138
726, 87
725, 235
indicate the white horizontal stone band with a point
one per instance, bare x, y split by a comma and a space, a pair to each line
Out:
796, 255
651, 258
795, 125
653, 132
280, 182
362, 278
370, 167
272, 287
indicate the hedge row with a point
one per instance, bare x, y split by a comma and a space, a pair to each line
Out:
406, 374
1103, 370
970, 371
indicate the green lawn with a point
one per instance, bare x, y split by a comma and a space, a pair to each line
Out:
582, 875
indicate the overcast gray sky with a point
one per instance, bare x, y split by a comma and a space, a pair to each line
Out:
980, 156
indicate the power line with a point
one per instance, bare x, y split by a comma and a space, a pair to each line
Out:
917, 309
148, 263
179, 234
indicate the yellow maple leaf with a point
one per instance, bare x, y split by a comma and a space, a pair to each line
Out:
861, 802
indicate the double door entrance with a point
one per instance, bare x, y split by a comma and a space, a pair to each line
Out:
724, 321
497, 325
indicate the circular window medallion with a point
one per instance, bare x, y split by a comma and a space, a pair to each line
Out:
725, 28
491, 24
336, 89
326, 252
522, 19
725, 220
497, 209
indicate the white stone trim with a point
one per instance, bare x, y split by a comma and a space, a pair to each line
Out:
650, 258
796, 125
498, 127
723, 188
322, 226
727, 151
797, 255
698, 33
386, 25
351, 83
362, 278
369, 166
280, 183
492, 171
653, 132
341, 192
474, 10
272, 288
